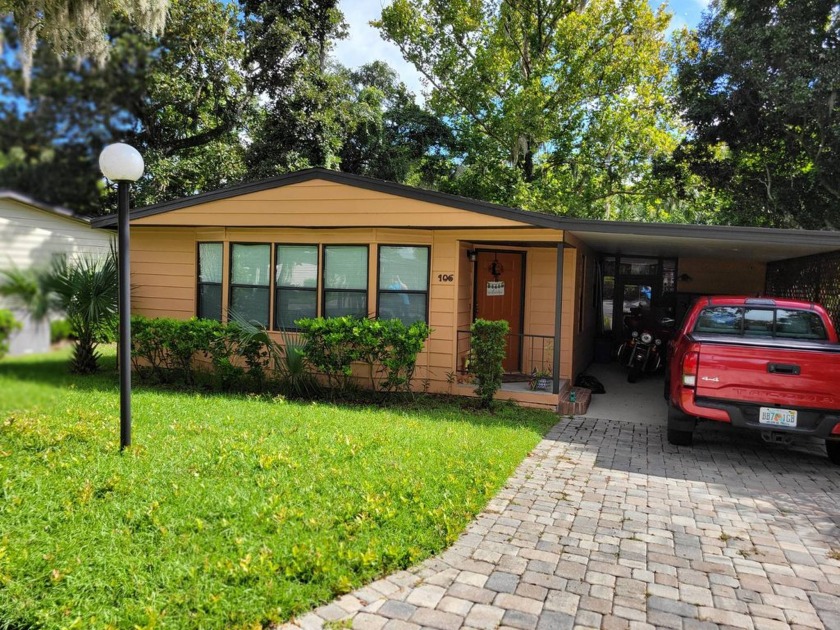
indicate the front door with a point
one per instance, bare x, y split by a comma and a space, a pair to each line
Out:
499, 293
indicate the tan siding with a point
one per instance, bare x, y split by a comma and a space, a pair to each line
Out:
163, 273
324, 204
733, 277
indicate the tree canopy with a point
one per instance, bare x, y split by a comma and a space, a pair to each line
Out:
581, 107
78, 28
558, 105
759, 84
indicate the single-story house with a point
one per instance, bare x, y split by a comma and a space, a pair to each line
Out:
32, 233
321, 242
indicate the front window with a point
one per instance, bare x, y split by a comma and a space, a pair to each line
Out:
296, 279
345, 280
210, 281
403, 283
250, 282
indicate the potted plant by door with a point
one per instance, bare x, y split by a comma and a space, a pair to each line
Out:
540, 380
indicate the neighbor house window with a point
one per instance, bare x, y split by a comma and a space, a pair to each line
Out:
296, 282
250, 282
210, 281
403, 283
345, 280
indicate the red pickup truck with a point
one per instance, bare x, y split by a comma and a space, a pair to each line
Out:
769, 365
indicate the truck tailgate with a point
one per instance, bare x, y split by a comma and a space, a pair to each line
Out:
775, 372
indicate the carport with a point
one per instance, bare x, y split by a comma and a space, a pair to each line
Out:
665, 267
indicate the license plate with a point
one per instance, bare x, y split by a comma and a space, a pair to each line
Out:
778, 417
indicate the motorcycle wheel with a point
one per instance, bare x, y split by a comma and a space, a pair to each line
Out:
634, 374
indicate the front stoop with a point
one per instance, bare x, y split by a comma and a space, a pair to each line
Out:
582, 398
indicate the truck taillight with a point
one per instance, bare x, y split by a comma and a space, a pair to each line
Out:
836, 429
691, 359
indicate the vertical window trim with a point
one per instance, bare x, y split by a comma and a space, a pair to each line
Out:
275, 287
232, 285
323, 276
428, 290
199, 283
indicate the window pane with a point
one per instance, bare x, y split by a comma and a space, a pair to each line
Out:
210, 301
210, 262
408, 307
292, 305
339, 303
638, 266
799, 325
250, 264
758, 322
250, 304
297, 266
345, 267
403, 268
720, 319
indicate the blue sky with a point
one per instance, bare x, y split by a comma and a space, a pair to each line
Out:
364, 44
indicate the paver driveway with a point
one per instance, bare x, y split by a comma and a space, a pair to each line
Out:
605, 525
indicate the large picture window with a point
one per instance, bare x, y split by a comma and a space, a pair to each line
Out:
403, 283
250, 281
345, 280
210, 281
296, 282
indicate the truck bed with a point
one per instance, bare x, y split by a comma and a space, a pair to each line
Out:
784, 373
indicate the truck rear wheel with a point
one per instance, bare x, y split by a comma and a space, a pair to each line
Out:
680, 428
833, 448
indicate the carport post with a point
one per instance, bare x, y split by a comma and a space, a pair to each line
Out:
558, 318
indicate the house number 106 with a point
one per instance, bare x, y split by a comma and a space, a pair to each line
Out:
446, 277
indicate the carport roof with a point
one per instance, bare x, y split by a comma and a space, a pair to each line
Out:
610, 237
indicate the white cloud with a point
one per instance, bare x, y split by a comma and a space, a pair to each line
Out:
364, 44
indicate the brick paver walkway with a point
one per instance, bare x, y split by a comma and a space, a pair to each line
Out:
605, 525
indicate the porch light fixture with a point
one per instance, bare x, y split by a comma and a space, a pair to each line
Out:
123, 164
472, 255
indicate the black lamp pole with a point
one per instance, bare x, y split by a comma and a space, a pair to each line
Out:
125, 314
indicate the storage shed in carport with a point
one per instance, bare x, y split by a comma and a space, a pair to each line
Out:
321, 242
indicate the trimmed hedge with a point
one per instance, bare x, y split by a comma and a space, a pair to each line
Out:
236, 356
488, 346
388, 347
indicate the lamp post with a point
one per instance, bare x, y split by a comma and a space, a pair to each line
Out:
123, 164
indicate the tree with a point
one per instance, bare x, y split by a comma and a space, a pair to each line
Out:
78, 28
181, 99
759, 83
306, 98
558, 105
394, 138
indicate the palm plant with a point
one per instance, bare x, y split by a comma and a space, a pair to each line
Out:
288, 358
85, 290
30, 289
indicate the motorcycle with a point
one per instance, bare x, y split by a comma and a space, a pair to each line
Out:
643, 352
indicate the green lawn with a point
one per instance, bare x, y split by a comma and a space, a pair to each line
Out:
227, 511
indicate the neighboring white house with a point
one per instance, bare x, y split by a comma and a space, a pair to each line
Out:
31, 235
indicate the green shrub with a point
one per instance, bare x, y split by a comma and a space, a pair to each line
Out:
401, 344
60, 330
488, 346
388, 347
8, 324
166, 350
331, 347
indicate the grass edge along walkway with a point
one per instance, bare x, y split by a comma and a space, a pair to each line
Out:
228, 511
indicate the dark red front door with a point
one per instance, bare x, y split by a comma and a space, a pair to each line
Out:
498, 295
